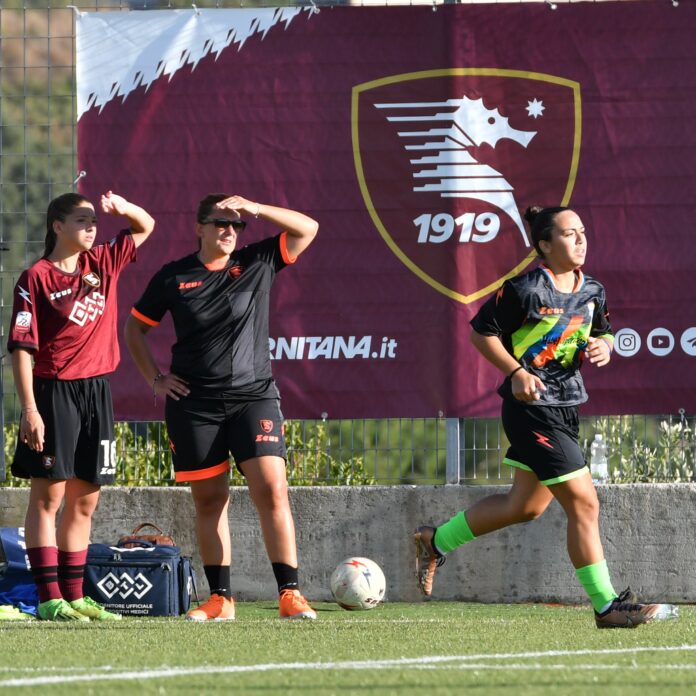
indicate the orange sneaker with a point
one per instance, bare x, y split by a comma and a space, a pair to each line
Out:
217, 608
293, 605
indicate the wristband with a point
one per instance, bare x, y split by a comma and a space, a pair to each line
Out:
610, 345
517, 369
258, 210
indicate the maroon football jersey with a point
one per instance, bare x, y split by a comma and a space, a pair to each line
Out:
68, 320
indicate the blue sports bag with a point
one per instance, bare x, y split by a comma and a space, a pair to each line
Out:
14, 564
152, 580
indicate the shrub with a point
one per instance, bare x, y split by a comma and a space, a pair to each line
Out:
664, 452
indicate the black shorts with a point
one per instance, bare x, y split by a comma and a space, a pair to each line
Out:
204, 432
544, 440
79, 432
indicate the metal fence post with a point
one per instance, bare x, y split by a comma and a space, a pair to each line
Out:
452, 451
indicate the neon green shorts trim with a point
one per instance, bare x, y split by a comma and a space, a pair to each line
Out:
551, 481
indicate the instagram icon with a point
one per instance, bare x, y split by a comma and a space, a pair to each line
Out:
627, 342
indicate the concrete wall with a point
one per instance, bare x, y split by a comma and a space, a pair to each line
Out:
647, 531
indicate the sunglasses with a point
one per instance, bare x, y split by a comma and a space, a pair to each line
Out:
222, 223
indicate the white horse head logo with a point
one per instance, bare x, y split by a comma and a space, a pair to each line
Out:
452, 170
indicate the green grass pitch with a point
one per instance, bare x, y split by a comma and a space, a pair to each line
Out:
428, 648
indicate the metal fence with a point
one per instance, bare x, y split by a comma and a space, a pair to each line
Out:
421, 451
38, 161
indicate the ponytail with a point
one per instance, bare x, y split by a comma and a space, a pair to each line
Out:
541, 223
58, 209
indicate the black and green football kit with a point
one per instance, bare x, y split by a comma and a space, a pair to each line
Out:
547, 332
221, 323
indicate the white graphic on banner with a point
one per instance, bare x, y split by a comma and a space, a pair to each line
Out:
124, 585
660, 342
453, 171
535, 108
627, 342
688, 341
117, 52
89, 310
332, 347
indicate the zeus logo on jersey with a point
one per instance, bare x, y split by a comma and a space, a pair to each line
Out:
89, 310
190, 284
61, 293
24, 294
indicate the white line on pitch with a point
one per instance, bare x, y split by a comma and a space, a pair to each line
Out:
539, 666
168, 672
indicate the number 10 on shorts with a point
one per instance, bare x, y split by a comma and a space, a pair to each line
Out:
108, 467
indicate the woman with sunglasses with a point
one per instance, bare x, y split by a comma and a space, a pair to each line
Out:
221, 398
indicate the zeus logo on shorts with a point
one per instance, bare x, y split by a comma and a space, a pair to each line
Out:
266, 425
23, 322
542, 439
89, 310
48, 462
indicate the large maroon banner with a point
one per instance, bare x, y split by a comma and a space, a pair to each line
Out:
416, 138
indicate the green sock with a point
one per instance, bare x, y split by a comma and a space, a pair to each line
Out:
595, 579
453, 533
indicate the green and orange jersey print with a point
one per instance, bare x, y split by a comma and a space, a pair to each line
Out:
546, 330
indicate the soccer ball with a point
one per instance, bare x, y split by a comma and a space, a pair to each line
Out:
358, 583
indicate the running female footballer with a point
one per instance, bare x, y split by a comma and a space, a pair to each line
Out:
537, 330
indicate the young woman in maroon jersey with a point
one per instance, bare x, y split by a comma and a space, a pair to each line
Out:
221, 397
64, 321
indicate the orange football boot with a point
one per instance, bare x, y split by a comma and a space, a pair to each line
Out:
293, 605
217, 608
